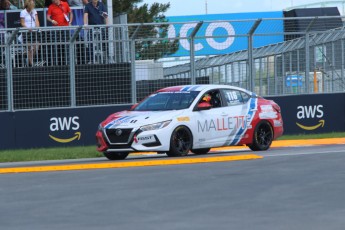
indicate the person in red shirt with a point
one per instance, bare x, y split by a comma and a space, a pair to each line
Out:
59, 13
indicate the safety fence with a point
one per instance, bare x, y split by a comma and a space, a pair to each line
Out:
70, 67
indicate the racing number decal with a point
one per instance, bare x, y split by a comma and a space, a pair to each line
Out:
232, 95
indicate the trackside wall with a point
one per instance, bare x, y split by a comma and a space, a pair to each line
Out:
317, 113
52, 128
312, 113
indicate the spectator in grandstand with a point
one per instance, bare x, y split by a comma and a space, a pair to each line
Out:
59, 13
7, 5
2, 20
95, 13
75, 2
4, 5
78, 13
29, 19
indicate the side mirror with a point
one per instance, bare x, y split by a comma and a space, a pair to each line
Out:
204, 106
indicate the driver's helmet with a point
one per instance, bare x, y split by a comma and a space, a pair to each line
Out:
206, 98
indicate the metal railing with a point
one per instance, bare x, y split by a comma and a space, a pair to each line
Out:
120, 64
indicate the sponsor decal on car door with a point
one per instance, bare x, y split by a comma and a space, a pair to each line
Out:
242, 112
210, 126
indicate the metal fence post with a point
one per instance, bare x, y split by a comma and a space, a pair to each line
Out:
342, 61
133, 74
307, 54
9, 78
251, 64
72, 66
132, 60
283, 79
307, 63
275, 75
9, 70
192, 53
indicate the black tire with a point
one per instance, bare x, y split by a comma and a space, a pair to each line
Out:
200, 151
115, 156
263, 137
180, 142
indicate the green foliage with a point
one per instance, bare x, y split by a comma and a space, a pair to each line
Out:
39, 3
156, 47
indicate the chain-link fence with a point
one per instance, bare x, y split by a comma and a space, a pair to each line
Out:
91, 66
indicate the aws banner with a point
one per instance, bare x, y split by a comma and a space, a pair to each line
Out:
220, 36
314, 113
53, 128
7, 130
302, 114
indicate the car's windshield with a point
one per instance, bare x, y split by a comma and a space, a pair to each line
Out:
167, 101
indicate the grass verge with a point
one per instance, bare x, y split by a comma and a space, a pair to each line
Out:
41, 154
90, 151
312, 136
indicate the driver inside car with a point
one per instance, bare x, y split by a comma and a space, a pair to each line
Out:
205, 101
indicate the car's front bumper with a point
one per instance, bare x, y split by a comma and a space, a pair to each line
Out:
135, 141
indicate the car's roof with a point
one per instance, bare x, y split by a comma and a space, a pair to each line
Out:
198, 88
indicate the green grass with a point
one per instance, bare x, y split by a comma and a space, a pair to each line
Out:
49, 154
90, 151
312, 136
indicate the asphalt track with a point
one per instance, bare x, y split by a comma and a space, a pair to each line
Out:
300, 187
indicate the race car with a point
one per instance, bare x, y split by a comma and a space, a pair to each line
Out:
192, 118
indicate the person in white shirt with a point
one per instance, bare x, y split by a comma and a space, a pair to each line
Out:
29, 19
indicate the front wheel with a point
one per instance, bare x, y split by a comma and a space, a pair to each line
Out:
180, 142
263, 137
115, 156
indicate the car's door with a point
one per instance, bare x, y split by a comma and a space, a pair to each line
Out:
209, 126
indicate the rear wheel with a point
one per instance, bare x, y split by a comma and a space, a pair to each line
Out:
180, 142
263, 137
201, 151
115, 156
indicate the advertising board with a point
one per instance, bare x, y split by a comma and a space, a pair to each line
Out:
224, 36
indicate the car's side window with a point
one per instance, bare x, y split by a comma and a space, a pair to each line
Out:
213, 97
216, 101
245, 97
233, 97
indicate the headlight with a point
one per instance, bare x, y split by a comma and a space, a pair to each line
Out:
155, 126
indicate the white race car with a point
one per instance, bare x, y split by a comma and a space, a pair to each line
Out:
193, 118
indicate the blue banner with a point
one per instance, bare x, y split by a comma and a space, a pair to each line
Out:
222, 36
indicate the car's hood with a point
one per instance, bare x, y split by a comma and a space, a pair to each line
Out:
131, 119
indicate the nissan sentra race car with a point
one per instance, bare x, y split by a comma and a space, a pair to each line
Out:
192, 118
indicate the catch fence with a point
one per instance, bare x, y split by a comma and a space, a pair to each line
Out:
78, 66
